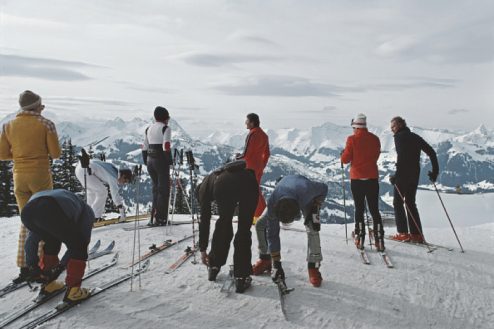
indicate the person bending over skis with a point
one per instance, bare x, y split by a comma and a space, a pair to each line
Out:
228, 186
57, 216
291, 195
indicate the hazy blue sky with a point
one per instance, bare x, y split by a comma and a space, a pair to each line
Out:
295, 63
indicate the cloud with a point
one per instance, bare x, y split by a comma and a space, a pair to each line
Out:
457, 111
217, 60
470, 42
42, 68
252, 38
72, 101
288, 86
291, 86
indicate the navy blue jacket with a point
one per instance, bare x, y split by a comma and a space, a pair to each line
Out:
408, 148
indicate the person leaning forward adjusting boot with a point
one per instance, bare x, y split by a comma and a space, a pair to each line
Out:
291, 195
57, 216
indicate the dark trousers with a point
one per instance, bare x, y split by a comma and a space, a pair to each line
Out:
47, 221
230, 189
366, 190
404, 220
159, 170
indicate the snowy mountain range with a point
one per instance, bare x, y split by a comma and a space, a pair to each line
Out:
466, 159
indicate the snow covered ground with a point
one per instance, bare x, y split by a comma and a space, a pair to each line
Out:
442, 289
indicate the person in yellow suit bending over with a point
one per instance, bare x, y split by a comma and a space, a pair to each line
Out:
29, 140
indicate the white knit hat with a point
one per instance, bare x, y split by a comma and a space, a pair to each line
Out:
29, 100
360, 121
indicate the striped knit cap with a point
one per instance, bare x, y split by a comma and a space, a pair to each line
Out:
29, 101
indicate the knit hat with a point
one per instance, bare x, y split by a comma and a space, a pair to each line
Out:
360, 121
161, 114
29, 101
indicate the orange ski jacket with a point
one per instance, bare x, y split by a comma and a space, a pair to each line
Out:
362, 150
256, 152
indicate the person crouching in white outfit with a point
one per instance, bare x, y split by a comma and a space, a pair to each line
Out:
98, 175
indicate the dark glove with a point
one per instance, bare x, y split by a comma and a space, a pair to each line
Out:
84, 159
145, 157
392, 179
278, 273
433, 176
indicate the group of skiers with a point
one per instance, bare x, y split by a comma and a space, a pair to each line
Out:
51, 217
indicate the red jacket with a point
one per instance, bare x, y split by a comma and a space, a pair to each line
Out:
256, 151
362, 150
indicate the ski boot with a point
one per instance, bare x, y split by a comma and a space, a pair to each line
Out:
213, 272
262, 265
379, 243
23, 275
241, 284
75, 295
51, 288
315, 277
402, 237
417, 238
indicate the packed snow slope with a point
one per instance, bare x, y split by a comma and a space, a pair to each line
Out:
442, 289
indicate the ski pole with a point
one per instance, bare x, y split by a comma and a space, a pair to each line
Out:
344, 200
447, 215
137, 173
413, 218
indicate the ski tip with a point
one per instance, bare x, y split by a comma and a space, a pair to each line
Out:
112, 244
115, 257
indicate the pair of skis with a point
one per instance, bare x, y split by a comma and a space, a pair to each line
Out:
188, 252
42, 299
64, 306
430, 246
92, 254
153, 249
382, 254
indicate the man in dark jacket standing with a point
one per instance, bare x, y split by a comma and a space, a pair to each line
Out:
406, 179
228, 186
57, 216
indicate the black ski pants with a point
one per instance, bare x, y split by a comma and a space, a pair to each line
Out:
231, 189
159, 170
45, 220
407, 220
362, 191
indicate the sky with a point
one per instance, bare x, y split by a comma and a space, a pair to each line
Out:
295, 63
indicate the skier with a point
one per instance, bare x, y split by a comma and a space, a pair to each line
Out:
256, 155
97, 175
29, 140
228, 186
362, 150
406, 178
156, 153
57, 216
291, 195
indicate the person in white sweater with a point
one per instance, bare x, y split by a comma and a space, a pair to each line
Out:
98, 175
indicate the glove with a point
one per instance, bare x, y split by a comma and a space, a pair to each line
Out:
392, 179
278, 273
432, 176
316, 221
122, 212
204, 258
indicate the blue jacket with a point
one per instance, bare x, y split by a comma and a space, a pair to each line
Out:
295, 187
75, 210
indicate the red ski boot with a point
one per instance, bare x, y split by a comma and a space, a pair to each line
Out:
315, 277
263, 265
